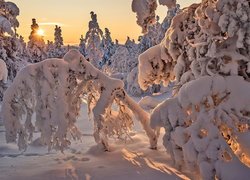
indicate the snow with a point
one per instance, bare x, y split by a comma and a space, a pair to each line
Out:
145, 12
57, 85
3, 71
85, 160
5, 25
168, 3
205, 53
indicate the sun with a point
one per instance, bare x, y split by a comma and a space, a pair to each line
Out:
40, 32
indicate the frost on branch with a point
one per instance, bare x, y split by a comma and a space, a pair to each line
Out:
52, 90
206, 50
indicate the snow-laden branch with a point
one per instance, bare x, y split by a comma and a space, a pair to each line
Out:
204, 39
206, 51
145, 11
52, 90
208, 116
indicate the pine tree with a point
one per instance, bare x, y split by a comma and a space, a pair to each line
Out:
56, 49
108, 47
58, 37
93, 41
82, 46
36, 44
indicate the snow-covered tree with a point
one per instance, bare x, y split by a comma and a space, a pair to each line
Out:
171, 13
58, 37
156, 31
82, 46
93, 41
36, 45
108, 47
145, 10
12, 49
8, 13
152, 37
58, 85
120, 61
3, 77
206, 50
56, 49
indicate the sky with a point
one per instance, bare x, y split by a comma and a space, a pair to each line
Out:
73, 16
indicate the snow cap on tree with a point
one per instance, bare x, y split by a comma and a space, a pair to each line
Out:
58, 37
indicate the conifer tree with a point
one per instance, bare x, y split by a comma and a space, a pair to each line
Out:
36, 44
58, 37
93, 41
82, 46
108, 47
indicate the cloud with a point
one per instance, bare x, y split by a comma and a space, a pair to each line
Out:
51, 24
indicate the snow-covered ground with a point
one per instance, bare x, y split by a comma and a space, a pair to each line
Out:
84, 160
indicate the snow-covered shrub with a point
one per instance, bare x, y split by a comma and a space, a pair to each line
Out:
206, 50
53, 88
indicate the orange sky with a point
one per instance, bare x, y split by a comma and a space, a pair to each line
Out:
74, 15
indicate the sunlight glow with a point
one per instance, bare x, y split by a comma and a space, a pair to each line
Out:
40, 32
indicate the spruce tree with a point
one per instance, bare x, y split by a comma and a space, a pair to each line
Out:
58, 37
93, 41
36, 44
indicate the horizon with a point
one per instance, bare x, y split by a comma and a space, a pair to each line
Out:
74, 20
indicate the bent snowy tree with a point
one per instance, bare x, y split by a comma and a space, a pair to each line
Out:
53, 90
206, 50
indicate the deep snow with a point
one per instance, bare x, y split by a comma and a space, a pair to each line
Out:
85, 160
